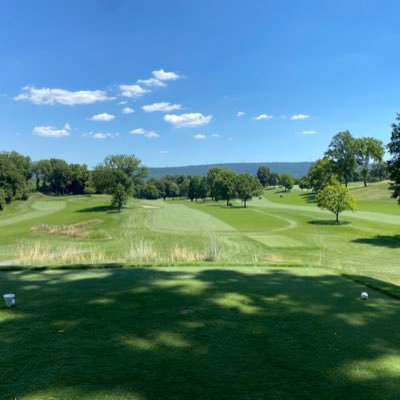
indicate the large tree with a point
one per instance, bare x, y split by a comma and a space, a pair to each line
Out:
379, 170
119, 197
247, 187
287, 181
212, 176
15, 172
342, 152
336, 198
128, 164
394, 163
263, 174
368, 149
225, 185
320, 174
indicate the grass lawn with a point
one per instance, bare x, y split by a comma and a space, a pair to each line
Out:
273, 230
197, 333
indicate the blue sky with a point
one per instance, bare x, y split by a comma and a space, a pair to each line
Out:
223, 81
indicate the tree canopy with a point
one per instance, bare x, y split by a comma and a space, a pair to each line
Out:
368, 149
336, 198
394, 163
342, 152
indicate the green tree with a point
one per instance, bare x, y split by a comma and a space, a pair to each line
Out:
394, 163
212, 177
379, 171
225, 185
106, 178
150, 191
287, 181
194, 188
247, 187
15, 173
128, 164
78, 177
2, 199
336, 198
119, 197
59, 175
320, 174
263, 174
172, 189
273, 179
368, 149
203, 188
89, 186
342, 152
304, 183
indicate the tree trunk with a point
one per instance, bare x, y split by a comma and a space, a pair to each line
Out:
244, 201
337, 217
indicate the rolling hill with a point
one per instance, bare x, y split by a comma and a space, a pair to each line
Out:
297, 169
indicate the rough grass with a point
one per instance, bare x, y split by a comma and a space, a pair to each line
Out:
198, 333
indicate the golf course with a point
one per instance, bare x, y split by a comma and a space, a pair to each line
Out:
178, 299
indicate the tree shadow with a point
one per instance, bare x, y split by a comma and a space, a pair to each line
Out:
309, 197
392, 242
195, 333
328, 222
101, 209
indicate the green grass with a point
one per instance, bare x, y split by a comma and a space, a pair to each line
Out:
278, 229
241, 325
198, 333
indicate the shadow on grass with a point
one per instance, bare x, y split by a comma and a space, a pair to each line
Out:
392, 242
328, 222
99, 209
195, 333
309, 197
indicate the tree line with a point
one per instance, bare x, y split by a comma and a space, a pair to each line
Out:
122, 176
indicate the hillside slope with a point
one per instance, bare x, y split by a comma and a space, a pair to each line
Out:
298, 169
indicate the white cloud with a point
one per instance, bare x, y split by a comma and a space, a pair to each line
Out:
310, 132
151, 82
240, 114
300, 116
101, 135
103, 117
188, 120
127, 110
151, 135
138, 131
51, 131
215, 135
123, 102
163, 106
132, 90
199, 136
263, 116
61, 96
148, 134
162, 75
164, 151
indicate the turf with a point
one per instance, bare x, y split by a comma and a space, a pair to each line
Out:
273, 230
198, 333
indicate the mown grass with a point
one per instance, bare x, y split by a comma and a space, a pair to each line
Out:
278, 229
198, 333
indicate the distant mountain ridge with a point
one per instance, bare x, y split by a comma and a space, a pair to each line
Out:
297, 169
